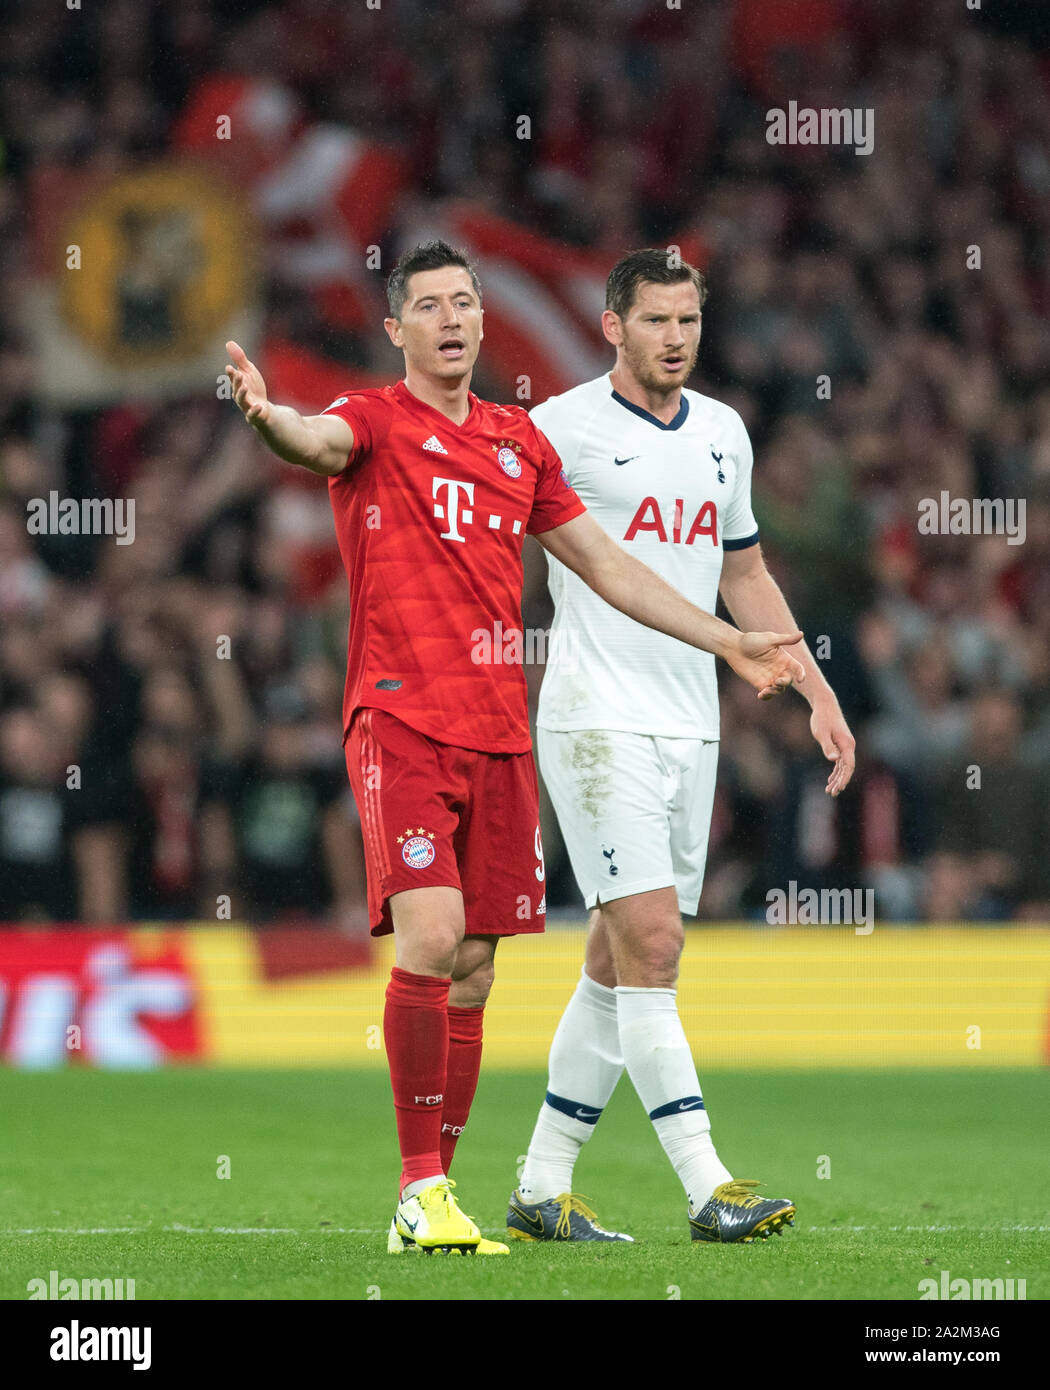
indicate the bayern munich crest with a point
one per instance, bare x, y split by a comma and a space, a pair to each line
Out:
508, 460
417, 848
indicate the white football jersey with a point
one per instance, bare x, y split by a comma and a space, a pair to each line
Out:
676, 496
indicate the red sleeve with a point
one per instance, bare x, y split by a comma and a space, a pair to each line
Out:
359, 412
554, 501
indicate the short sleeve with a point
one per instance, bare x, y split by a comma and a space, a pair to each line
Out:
560, 425
554, 501
740, 528
359, 413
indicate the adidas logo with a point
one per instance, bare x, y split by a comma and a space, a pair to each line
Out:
435, 445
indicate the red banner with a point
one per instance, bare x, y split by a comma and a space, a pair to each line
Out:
110, 998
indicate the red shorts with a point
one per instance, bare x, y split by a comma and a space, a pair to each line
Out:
434, 815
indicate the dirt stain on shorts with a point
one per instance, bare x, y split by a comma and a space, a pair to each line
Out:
590, 758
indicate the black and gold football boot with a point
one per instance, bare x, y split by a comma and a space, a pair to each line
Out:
734, 1213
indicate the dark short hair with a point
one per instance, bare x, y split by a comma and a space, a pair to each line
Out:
429, 255
651, 266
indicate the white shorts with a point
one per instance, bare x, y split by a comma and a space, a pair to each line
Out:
634, 811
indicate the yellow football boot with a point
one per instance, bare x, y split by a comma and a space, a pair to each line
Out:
433, 1221
398, 1245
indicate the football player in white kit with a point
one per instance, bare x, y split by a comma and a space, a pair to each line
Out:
627, 737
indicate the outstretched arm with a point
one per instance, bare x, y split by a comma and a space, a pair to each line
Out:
321, 443
753, 596
640, 593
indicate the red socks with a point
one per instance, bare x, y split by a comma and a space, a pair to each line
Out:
434, 1052
464, 1064
415, 1026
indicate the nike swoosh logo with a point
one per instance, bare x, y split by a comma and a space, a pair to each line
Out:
691, 1106
410, 1224
536, 1222
587, 1114
621, 462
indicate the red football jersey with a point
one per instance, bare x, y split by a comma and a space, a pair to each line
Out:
431, 518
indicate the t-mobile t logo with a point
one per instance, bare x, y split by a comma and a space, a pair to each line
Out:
450, 510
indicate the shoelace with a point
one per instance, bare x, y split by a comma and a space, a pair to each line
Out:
570, 1202
443, 1190
739, 1193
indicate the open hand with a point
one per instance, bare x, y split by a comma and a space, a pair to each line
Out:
760, 659
837, 744
249, 389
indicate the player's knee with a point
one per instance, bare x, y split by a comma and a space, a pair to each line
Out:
431, 953
653, 956
658, 971
470, 990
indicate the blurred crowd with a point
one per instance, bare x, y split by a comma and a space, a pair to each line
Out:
148, 771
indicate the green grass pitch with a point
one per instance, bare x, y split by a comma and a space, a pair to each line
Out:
115, 1175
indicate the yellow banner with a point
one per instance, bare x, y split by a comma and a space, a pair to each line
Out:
794, 997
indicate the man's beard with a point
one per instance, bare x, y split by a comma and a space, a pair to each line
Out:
647, 373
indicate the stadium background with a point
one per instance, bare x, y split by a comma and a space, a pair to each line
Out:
252, 170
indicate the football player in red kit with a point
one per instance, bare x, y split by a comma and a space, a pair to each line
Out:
433, 492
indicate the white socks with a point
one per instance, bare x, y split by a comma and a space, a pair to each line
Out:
660, 1064
601, 1030
585, 1065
